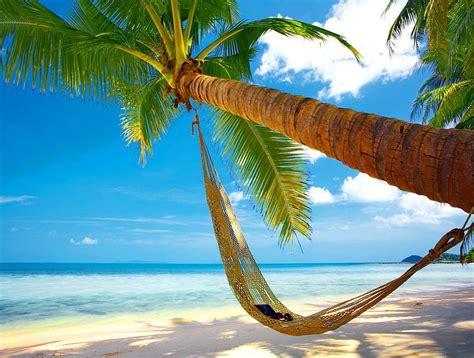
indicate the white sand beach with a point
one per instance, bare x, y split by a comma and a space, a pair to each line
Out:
421, 325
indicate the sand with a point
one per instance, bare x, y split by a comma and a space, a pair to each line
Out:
420, 325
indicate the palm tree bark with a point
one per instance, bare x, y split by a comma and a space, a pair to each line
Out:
437, 163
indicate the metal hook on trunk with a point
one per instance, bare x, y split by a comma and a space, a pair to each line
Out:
196, 121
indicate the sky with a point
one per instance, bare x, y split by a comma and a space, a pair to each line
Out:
72, 191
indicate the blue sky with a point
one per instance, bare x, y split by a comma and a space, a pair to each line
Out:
72, 191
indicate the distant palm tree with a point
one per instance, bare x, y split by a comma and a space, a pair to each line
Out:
447, 96
136, 54
469, 258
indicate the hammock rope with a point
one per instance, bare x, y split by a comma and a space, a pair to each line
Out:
250, 287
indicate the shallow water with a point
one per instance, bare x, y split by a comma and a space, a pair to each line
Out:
40, 293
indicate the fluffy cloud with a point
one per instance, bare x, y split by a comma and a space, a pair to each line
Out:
363, 24
15, 199
419, 209
413, 208
360, 188
236, 196
408, 208
320, 196
85, 241
89, 241
363, 188
312, 155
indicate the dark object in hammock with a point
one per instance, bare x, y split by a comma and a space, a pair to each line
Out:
267, 310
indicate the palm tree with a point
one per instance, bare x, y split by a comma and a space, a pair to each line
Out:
429, 18
133, 56
136, 55
446, 97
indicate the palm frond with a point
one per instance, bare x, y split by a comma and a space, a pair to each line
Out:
445, 98
412, 14
461, 31
242, 36
147, 113
461, 18
456, 99
436, 15
133, 19
467, 119
443, 104
271, 167
209, 17
73, 54
466, 246
230, 67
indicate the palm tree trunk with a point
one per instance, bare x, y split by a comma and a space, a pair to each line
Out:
438, 163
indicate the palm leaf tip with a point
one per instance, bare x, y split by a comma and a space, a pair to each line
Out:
147, 113
272, 169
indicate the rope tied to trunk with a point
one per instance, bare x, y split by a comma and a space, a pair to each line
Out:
196, 122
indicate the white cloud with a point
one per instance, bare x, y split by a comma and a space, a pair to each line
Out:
360, 188
365, 27
236, 196
15, 199
419, 209
320, 196
363, 188
89, 241
85, 241
407, 208
312, 155
413, 208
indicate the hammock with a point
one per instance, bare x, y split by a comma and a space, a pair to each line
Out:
249, 285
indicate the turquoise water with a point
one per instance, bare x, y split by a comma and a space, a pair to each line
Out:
32, 293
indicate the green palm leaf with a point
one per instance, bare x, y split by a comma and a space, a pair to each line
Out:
455, 105
443, 105
147, 113
412, 14
271, 167
241, 37
445, 98
56, 54
226, 12
230, 67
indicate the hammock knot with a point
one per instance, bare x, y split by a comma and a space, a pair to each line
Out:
450, 239
432, 254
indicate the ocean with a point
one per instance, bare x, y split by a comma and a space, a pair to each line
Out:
57, 294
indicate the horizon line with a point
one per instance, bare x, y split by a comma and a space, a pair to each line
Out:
201, 263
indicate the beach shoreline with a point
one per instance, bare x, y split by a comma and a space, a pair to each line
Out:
419, 324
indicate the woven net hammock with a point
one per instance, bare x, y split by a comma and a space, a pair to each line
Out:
250, 287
